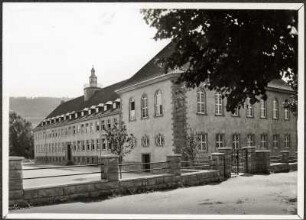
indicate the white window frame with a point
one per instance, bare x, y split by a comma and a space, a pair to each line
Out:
132, 113
219, 140
201, 101
251, 140
249, 109
287, 141
203, 142
286, 114
275, 113
275, 141
218, 104
263, 108
158, 103
144, 106
236, 141
264, 141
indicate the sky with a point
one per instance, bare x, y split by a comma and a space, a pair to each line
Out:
50, 48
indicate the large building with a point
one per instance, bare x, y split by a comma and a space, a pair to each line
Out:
160, 113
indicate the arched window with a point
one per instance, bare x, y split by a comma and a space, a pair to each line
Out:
158, 103
249, 109
275, 109
218, 104
201, 101
159, 140
286, 112
132, 109
144, 107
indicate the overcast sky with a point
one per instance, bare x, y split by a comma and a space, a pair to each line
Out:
49, 48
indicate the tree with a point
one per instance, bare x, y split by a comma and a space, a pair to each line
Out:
21, 142
235, 52
191, 149
120, 142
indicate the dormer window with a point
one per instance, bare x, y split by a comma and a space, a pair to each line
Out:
75, 115
97, 110
89, 111
70, 117
82, 113
114, 105
105, 107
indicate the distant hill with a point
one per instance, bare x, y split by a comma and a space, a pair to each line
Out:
34, 109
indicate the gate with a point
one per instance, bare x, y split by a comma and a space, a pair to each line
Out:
239, 161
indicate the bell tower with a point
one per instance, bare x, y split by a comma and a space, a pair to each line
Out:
92, 87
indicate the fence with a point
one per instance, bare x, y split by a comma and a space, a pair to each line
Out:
169, 176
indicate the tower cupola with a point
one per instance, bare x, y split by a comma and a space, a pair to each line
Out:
92, 87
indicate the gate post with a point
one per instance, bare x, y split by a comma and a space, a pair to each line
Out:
250, 160
285, 156
109, 167
218, 163
227, 160
262, 161
15, 180
174, 164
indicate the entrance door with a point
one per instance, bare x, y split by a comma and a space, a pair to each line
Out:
146, 162
69, 152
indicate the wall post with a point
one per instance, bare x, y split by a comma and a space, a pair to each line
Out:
285, 156
227, 160
109, 167
174, 164
262, 161
15, 180
250, 159
218, 163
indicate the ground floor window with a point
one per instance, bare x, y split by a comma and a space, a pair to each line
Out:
236, 141
250, 140
219, 140
287, 140
275, 141
264, 141
203, 143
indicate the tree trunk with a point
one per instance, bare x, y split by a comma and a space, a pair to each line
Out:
120, 162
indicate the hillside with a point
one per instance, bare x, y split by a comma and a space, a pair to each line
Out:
34, 109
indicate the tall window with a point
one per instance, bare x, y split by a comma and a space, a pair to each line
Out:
219, 140
287, 115
201, 101
249, 109
250, 140
264, 141
275, 141
103, 144
98, 144
236, 112
88, 145
159, 140
218, 104
158, 103
109, 124
203, 143
287, 140
144, 107
102, 125
97, 125
275, 109
263, 109
236, 141
132, 109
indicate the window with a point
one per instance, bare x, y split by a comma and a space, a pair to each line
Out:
87, 145
219, 140
98, 144
287, 115
275, 141
275, 109
102, 125
109, 124
74, 130
91, 127
202, 140
83, 145
159, 140
145, 141
264, 141
97, 125
250, 140
236, 141
79, 146
249, 109
132, 109
219, 104
287, 140
115, 121
144, 107
158, 103
93, 145
87, 128
263, 109
236, 112
103, 144
201, 101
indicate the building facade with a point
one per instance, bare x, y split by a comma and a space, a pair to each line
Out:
160, 114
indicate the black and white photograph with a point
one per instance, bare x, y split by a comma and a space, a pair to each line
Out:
153, 110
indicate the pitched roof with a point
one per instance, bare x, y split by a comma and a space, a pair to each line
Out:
151, 69
279, 84
101, 96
